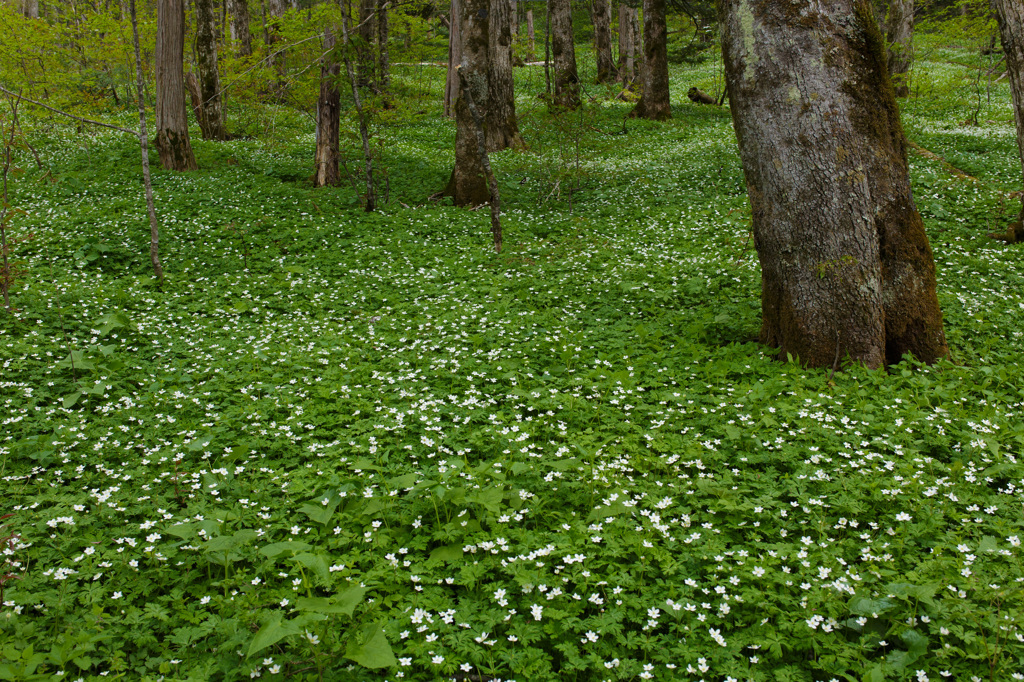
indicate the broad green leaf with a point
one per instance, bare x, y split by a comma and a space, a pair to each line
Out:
278, 548
316, 563
273, 631
449, 553
374, 652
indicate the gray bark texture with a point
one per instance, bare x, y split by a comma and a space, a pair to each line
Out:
654, 101
212, 121
502, 128
468, 183
532, 42
383, 55
30, 8
451, 83
240, 25
563, 55
328, 118
1010, 15
847, 271
603, 41
899, 28
367, 32
627, 45
172, 140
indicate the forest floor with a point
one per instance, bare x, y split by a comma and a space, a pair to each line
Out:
353, 446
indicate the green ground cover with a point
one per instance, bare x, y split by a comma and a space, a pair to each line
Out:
358, 446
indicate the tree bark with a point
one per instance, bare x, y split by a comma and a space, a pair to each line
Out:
367, 32
30, 8
501, 128
847, 270
451, 83
654, 101
1010, 15
468, 183
328, 119
627, 45
383, 56
240, 8
563, 53
213, 127
900, 39
532, 43
603, 41
172, 140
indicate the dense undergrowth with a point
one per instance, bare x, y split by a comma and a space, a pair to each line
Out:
363, 446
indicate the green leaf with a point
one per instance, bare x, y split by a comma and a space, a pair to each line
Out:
449, 553
316, 563
278, 548
70, 399
273, 631
876, 674
374, 652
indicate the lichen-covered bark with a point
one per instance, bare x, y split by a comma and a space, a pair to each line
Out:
240, 9
30, 8
212, 121
627, 44
468, 183
900, 39
1010, 15
328, 118
451, 83
532, 48
172, 141
603, 41
502, 129
563, 55
846, 267
654, 98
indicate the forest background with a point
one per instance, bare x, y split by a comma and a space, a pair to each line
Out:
332, 443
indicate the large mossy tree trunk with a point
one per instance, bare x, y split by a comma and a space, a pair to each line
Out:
654, 101
563, 54
468, 183
451, 83
328, 118
172, 140
603, 41
847, 270
213, 126
1010, 15
240, 11
899, 26
502, 128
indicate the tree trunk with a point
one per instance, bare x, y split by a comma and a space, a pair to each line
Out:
209, 75
654, 101
451, 83
563, 52
532, 43
241, 26
30, 8
900, 37
328, 119
468, 183
172, 141
603, 41
1010, 15
502, 128
627, 45
383, 56
847, 270
367, 32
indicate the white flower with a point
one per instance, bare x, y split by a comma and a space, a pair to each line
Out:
536, 610
116, 595
903, 516
313, 639
437, 660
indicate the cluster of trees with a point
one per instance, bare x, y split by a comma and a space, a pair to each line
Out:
847, 270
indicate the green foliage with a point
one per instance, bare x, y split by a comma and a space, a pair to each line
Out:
353, 446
